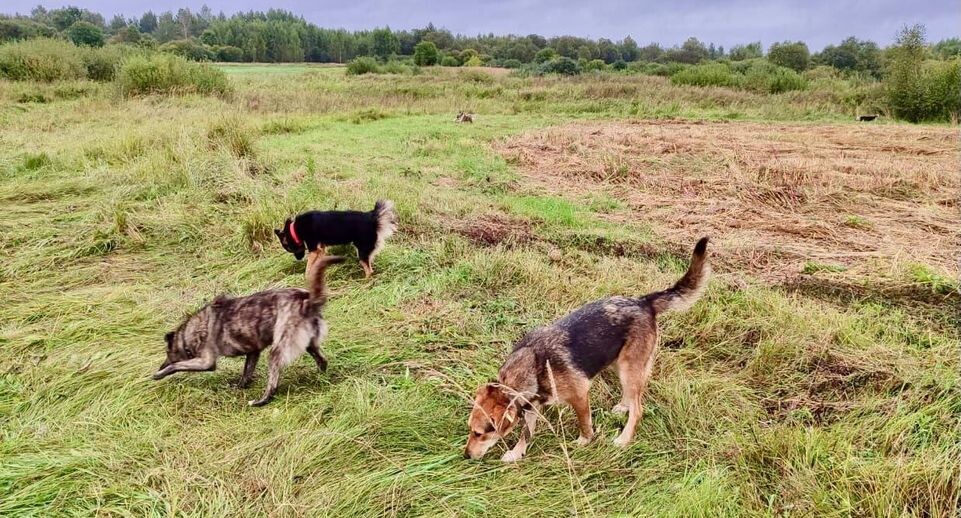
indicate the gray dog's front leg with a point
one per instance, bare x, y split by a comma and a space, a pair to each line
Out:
196, 364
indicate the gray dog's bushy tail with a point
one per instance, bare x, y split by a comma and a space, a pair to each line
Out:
317, 287
687, 290
386, 222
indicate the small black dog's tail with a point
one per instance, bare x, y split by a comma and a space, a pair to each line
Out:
687, 290
317, 287
386, 222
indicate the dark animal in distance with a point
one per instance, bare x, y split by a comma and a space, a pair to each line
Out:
866, 118
556, 363
289, 321
464, 117
315, 230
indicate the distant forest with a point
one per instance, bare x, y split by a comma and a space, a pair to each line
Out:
281, 36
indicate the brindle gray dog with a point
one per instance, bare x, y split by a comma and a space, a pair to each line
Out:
289, 319
556, 363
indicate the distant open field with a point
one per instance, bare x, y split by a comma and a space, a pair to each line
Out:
817, 377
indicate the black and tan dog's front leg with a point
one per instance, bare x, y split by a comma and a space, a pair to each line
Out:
195, 364
312, 256
527, 433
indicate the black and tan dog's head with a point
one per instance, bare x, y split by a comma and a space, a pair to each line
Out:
291, 243
493, 417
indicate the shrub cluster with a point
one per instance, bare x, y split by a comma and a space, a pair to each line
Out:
133, 70
164, 73
917, 89
367, 65
42, 59
758, 75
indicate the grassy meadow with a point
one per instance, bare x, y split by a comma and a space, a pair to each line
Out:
817, 377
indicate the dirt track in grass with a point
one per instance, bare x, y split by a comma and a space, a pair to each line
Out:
778, 198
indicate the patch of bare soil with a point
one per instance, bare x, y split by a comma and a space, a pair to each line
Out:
772, 196
494, 229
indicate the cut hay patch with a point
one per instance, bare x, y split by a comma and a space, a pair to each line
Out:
776, 198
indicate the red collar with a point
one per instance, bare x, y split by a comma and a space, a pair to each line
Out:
293, 234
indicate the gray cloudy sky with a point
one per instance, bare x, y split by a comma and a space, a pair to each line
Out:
669, 22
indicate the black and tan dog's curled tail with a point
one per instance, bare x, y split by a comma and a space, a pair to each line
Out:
690, 288
317, 287
386, 221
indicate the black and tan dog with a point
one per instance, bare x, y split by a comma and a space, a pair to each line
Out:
289, 320
557, 362
312, 231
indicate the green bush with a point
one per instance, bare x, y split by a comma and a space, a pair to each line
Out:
656, 69
229, 54
512, 63
169, 74
595, 64
102, 63
398, 67
449, 61
711, 74
561, 65
425, 54
14, 29
362, 65
85, 33
935, 97
821, 73
190, 49
41, 59
620, 64
917, 90
773, 79
793, 55
544, 55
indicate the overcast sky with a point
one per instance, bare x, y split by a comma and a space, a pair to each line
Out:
669, 22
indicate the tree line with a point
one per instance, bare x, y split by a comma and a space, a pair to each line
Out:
281, 36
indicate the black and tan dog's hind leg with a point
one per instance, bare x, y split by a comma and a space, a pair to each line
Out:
634, 366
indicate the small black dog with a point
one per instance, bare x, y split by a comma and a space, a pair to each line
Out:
315, 230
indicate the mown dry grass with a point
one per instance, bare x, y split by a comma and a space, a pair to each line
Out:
776, 196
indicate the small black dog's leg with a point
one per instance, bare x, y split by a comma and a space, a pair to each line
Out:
250, 364
364, 252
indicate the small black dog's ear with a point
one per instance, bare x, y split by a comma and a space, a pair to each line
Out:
169, 338
278, 232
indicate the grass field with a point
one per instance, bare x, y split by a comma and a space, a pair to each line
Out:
818, 376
